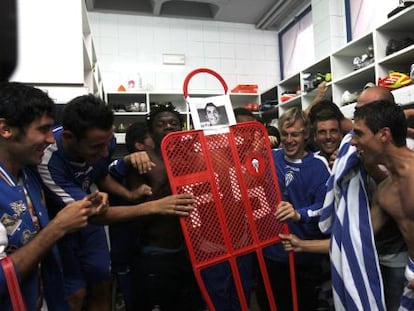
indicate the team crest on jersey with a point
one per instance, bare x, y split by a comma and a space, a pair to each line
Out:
289, 177
86, 184
11, 223
26, 236
19, 207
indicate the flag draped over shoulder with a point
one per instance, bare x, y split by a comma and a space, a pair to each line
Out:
356, 277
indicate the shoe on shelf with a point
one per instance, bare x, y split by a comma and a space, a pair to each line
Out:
311, 81
285, 96
394, 45
349, 98
394, 80
365, 59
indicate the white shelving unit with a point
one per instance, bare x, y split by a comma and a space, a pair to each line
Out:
345, 77
93, 78
290, 84
57, 53
121, 103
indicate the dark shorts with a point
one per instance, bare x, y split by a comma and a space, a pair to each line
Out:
220, 284
85, 258
165, 279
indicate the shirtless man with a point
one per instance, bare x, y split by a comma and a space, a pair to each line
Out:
161, 263
380, 132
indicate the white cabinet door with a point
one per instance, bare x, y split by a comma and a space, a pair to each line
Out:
49, 42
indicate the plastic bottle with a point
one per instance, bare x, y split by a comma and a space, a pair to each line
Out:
139, 81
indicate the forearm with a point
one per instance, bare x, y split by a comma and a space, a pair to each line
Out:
29, 255
314, 246
110, 185
116, 214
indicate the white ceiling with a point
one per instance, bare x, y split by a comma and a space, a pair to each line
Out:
264, 14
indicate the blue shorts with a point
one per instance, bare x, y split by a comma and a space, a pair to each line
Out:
85, 258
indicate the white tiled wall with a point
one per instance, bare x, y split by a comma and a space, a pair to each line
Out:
127, 45
329, 26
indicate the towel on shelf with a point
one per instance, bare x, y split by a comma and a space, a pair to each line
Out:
356, 277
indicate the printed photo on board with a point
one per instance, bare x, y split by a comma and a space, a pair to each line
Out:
211, 112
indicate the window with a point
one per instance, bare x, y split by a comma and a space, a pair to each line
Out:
296, 46
364, 15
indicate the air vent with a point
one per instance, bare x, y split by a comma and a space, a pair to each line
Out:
189, 9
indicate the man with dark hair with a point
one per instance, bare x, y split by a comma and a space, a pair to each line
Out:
26, 235
243, 115
212, 114
327, 134
138, 138
123, 236
162, 272
76, 164
380, 132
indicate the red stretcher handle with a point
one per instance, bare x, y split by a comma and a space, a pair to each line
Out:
205, 70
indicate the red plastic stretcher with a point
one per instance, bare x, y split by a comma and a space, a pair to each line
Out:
233, 180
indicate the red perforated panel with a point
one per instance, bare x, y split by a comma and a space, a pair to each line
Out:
234, 183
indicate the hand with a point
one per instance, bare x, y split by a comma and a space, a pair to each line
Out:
73, 216
140, 161
332, 158
100, 202
178, 205
285, 211
410, 284
138, 193
291, 242
322, 89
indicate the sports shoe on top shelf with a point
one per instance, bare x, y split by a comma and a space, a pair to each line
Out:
394, 80
394, 45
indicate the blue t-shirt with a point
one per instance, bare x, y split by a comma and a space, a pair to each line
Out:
302, 183
67, 181
16, 218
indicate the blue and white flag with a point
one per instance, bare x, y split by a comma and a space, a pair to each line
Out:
356, 277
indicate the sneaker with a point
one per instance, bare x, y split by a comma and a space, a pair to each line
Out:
311, 81
349, 98
394, 80
287, 96
364, 59
394, 45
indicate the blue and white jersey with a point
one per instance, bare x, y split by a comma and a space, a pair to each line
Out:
17, 221
67, 181
302, 182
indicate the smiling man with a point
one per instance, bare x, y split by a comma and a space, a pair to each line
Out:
75, 165
327, 134
380, 132
302, 176
212, 114
27, 237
